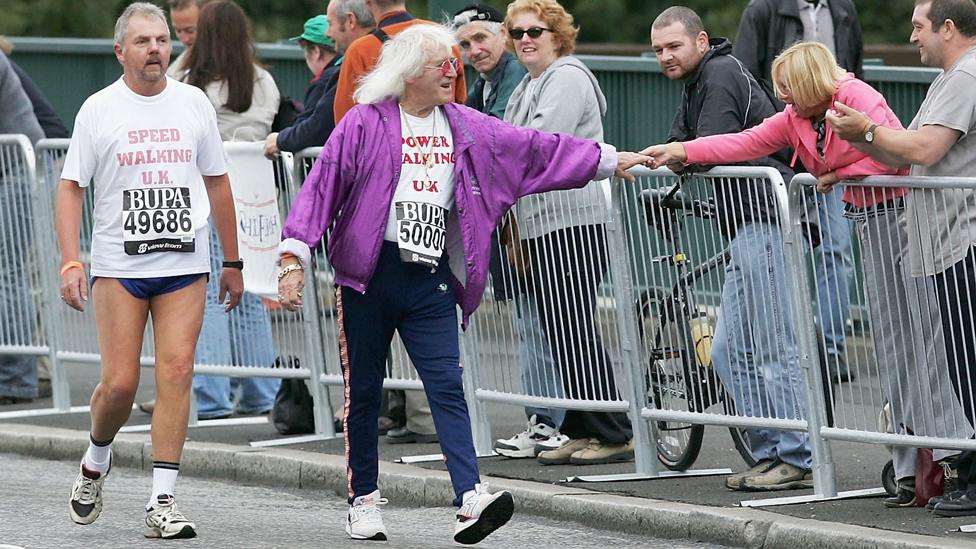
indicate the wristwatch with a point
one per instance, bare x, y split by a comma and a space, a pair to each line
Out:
869, 135
239, 264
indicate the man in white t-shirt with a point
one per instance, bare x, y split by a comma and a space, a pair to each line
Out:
941, 223
152, 147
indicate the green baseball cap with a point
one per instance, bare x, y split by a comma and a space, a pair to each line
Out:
314, 31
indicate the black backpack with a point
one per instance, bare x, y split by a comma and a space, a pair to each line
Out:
292, 411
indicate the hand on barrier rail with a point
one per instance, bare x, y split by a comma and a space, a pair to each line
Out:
271, 146
231, 288
626, 161
291, 280
826, 182
74, 285
666, 154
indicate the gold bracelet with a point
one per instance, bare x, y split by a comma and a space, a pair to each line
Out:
289, 269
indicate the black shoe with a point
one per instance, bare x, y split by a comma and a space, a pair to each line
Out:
44, 388
404, 435
935, 500
903, 498
842, 377
962, 506
4, 400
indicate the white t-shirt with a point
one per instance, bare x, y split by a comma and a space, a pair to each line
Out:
425, 193
147, 156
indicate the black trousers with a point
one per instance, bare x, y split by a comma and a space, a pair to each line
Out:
956, 287
567, 267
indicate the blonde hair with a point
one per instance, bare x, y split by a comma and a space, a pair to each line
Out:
553, 15
809, 72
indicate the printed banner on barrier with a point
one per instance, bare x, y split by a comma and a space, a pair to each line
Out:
252, 180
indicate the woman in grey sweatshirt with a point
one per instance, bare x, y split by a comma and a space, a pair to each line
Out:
563, 233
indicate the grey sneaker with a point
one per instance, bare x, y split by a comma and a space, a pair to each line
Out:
164, 520
734, 482
781, 476
85, 501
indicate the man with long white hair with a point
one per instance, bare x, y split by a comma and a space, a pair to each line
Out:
415, 184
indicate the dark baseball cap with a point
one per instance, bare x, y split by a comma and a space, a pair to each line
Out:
480, 12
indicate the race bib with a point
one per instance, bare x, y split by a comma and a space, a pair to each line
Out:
421, 232
157, 220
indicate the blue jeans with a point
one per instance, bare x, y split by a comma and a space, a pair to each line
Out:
834, 268
539, 374
754, 351
18, 373
241, 337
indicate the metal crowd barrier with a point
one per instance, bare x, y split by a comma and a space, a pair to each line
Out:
73, 334
915, 365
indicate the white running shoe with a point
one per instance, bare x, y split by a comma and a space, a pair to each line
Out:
554, 442
164, 520
523, 445
85, 500
482, 513
364, 520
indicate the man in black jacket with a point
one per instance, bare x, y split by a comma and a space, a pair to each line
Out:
768, 27
753, 350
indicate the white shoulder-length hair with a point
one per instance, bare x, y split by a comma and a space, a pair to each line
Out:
403, 56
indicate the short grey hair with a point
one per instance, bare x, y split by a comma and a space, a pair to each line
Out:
357, 8
143, 9
465, 17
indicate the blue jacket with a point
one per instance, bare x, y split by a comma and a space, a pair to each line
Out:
314, 125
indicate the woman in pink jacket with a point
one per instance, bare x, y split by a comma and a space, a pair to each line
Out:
906, 329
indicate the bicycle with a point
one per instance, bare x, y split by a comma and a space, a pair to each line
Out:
679, 376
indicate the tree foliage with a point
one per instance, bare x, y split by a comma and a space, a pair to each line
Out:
617, 21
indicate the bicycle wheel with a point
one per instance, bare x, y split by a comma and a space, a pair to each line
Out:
678, 443
740, 438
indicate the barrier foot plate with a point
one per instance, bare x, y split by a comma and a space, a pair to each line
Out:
203, 423
291, 440
47, 412
968, 528
430, 457
813, 498
626, 477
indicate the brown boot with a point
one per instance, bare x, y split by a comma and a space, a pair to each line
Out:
598, 453
561, 455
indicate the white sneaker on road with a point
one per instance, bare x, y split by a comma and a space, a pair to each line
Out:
364, 520
164, 520
524, 444
85, 500
482, 513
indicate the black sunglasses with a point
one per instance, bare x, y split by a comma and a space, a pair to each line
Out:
533, 32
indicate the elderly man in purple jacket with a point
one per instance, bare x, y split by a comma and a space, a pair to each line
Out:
414, 185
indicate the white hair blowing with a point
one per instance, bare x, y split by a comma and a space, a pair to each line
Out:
403, 56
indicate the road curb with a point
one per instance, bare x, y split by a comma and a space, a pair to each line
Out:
408, 485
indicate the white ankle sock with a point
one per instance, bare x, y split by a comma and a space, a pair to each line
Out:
164, 480
99, 455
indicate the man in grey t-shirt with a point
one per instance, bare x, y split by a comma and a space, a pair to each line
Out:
941, 223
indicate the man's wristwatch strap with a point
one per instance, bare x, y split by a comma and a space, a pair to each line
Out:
239, 264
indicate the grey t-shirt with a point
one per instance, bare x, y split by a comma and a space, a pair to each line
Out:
942, 223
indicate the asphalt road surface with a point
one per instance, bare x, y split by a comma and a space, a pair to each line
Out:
34, 515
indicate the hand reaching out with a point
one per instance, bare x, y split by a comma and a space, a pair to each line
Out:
668, 153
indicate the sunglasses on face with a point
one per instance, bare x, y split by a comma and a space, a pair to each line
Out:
533, 32
446, 66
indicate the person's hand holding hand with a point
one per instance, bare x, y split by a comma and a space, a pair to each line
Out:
666, 154
627, 160
847, 123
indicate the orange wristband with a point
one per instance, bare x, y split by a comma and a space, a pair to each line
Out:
71, 265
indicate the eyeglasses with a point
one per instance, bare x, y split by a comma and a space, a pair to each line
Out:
446, 66
533, 32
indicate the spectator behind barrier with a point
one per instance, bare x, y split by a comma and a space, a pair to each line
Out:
941, 224
904, 319
246, 101
754, 347
49, 120
184, 15
767, 27
564, 236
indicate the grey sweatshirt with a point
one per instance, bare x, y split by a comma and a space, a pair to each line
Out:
16, 111
566, 98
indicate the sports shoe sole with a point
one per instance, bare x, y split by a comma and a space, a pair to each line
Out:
792, 485
186, 532
954, 513
493, 517
515, 453
378, 536
617, 458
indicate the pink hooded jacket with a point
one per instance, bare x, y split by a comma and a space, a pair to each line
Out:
787, 129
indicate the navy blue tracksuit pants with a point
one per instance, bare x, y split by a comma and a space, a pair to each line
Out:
418, 303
